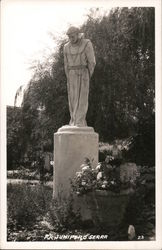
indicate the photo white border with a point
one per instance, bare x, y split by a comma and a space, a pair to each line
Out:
157, 244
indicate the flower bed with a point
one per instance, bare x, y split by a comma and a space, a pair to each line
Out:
106, 176
100, 194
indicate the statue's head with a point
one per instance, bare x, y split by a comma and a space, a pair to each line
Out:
73, 34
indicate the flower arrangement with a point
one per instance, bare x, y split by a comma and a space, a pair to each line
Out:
85, 180
106, 176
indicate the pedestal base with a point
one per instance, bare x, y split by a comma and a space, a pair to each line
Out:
71, 146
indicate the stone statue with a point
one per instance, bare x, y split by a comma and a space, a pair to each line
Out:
79, 62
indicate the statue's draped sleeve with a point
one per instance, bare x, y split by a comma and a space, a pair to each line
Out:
90, 57
65, 61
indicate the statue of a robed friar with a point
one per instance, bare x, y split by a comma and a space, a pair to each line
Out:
79, 62
76, 141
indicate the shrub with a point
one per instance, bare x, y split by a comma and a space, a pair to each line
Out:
62, 216
143, 215
142, 145
26, 203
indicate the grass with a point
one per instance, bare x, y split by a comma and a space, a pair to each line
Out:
26, 204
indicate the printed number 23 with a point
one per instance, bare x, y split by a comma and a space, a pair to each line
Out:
140, 237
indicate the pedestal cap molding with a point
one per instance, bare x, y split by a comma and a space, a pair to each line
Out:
75, 130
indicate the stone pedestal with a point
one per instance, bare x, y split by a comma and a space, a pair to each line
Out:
71, 145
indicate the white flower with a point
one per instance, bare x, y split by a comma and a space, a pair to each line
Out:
83, 183
112, 182
105, 182
85, 168
85, 165
98, 166
78, 174
103, 186
99, 175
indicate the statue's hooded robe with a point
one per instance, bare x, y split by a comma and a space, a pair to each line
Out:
79, 61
